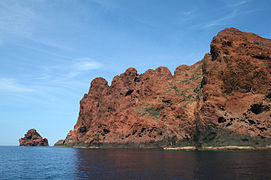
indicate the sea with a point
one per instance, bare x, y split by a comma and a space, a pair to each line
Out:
72, 163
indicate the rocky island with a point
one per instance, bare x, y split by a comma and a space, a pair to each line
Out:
224, 100
33, 138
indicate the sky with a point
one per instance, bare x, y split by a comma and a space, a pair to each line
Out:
50, 51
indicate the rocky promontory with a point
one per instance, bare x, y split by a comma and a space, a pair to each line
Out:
222, 100
33, 138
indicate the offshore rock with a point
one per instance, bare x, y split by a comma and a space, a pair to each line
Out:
33, 138
222, 100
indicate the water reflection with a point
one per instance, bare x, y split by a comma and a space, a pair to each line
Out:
157, 164
69, 163
233, 165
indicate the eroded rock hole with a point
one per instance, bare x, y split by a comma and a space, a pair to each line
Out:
134, 132
153, 129
221, 120
259, 57
143, 129
268, 96
229, 124
110, 109
129, 92
251, 121
263, 129
82, 129
136, 79
229, 43
258, 108
160, 133
166, 101
214, 53
106, 131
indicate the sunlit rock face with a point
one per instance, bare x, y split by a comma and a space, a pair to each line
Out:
236, 91
224, 99
33, 138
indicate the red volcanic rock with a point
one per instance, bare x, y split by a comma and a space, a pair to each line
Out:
153, 107
223, 99
235, 104
33, 138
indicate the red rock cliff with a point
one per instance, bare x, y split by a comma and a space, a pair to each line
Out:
236, 91
223, 99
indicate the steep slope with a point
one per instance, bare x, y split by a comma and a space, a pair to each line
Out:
235, 108
154, 107
222, 100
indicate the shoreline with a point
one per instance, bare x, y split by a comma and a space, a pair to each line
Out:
218, 148
183, 148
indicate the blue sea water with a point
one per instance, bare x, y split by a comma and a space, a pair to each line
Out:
70, 163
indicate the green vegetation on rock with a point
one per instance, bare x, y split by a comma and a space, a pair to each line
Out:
150, 111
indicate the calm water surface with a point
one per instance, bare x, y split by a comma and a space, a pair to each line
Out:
69, 163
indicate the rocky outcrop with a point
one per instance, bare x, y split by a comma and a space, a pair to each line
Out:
68, 141
33, 138
59, 143
236, 91
223, 99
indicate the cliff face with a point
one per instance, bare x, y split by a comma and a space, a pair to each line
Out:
33, 138
154, 107
236, 92
224, 99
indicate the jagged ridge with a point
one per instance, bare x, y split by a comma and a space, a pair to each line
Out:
223, 99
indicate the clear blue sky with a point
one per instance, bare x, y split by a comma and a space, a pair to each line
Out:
51, 50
